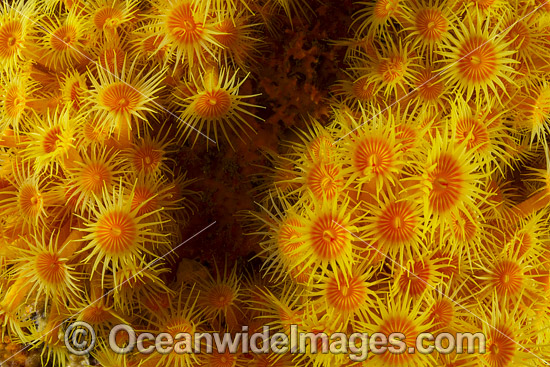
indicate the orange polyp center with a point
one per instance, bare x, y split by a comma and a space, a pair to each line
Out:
75, 91
344, 290
327, 183
113, 59
288, 235
182, 25
30, 201
328, 240
107, 18
447, 184
407, 136
189, 25
146, 198
147, 158
397, 223
94, 177
329, 235
229, 38
483, 4
94, 132
392, 69
429, 86
522, 243
475, 132
478, 60
442, 313
464, 228
14, 101
177, 325
18, 102
95, 314
384, 9
220, 296
152, 43
441, 184
374, 160
398, 324
116, 232
50, 268
431, 24
157, 301
507, 278
373, 156
120, 98
416, 280
320, 148
346, 295
500, 347
362, 89
63, 37
323, 180
213, 104
11, 34
52, 139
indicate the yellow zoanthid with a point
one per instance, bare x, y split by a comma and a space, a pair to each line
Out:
30, 198
326, 240
372, 151
399, 314
187, 29
216, 103
16, 90
16, 24
97, 170
219, 297
240, 40
395, 227
74, 87
116, 236
52, 276
52, 141
347, 298
377, 17
427, 24
109, 19
449, 181
182, 317
61, 41
477, 58
124, 98
149, 154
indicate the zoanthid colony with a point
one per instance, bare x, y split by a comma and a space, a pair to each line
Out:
418, 203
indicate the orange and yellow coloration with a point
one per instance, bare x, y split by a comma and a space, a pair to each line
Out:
414, 198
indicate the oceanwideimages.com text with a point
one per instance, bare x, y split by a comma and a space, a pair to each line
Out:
356, 345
